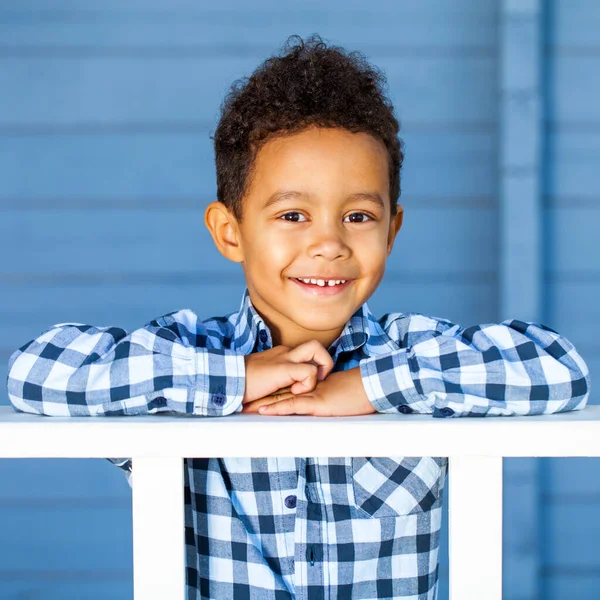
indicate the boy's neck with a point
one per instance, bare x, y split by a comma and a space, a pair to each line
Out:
288, 333
291, 338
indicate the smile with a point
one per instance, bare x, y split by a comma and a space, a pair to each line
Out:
321, 287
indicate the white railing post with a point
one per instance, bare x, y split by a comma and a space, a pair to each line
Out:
475, 527
475, 448
158, 529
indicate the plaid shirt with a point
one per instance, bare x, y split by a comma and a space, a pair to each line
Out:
306, 528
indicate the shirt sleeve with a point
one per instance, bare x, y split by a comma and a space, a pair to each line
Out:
496, 369
168, 365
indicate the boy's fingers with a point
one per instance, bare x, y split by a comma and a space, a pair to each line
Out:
280, 392
313, 352
292, 406
271, 399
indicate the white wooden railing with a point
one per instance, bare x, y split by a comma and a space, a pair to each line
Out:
158, 443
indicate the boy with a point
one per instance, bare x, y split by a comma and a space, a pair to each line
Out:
308, 176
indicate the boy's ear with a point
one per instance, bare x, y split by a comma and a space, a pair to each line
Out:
395, 225
224, 229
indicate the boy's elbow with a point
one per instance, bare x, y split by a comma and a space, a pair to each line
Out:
579, 394
581, 390
574, 393
581, 383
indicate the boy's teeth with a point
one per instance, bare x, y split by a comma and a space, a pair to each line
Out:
323, 282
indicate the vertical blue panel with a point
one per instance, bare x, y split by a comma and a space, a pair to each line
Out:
521, 266
570, 488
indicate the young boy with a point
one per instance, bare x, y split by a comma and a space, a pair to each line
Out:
308, 178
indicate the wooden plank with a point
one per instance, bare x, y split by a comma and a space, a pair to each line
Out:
575, 71
572, 584
574, 247
521, 264
64, 586
573, 481
174, 91
475, 528
572, 541
394, 25
80, 538
572, 433
573, 156
158, 491
133, 241
459, 13
439, 164
572, 306
570, 494
52, 483
575, 25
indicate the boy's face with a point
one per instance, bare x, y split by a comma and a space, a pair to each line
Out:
310, 213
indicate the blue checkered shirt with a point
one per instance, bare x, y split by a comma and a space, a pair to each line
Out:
305, 528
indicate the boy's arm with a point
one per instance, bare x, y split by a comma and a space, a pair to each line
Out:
72, 369
510, 368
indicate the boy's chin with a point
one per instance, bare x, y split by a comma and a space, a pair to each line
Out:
322, 320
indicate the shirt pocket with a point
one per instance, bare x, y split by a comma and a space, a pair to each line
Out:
396, 485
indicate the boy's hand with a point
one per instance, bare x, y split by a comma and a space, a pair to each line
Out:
299, 368
341, 394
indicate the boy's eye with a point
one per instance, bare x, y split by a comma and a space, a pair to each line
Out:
292, 217
359, 214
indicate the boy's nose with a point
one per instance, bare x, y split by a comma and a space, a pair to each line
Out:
327, 237
329, 246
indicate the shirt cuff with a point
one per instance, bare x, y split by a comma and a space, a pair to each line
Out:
220, 382
388, 382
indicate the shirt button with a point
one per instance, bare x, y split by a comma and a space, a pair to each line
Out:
447, 411
160, 401
263, 336
218, 399
403, 408
290, 501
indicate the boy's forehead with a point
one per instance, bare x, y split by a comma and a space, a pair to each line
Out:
315, 161
315, 144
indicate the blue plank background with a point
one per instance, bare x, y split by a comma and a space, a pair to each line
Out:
105, 169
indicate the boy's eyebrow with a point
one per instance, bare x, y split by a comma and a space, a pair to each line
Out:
287, 194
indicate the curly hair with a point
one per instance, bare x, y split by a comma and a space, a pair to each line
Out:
310, 84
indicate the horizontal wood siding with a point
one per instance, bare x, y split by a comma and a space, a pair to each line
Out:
105, 116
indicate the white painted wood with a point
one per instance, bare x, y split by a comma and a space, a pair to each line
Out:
158, 528
573, 433
475, 448
475, 527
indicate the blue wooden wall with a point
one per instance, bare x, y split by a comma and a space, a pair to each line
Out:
106, 167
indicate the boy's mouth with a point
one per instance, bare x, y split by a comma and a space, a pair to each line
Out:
321, 287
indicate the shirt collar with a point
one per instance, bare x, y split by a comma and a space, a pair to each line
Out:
362, 329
